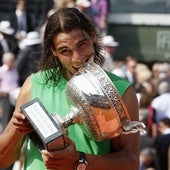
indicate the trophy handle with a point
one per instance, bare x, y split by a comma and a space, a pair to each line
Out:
75, 115
135, 126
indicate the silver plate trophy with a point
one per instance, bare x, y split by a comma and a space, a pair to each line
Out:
95, 105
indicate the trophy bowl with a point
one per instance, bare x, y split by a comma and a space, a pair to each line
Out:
104, 115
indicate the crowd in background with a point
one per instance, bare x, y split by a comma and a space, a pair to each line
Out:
20, 48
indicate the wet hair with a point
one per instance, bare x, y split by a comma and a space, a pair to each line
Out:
65, 20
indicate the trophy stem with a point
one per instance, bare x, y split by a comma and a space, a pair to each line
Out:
74, 116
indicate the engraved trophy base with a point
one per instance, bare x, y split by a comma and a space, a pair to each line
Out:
47, 133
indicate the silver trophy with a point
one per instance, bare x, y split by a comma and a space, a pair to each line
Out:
95, 105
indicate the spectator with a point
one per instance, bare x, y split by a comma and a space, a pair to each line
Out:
100, 8
7, 40
143, 87
85, 7
155, 76
63, 3
8, 83
165, 75
110, 46
21, 21
162, 143
119, 69
27, 57
147, 159
161, 104
42, 28
164, 70
130, 69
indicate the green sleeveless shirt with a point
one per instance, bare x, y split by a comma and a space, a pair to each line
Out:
55, 101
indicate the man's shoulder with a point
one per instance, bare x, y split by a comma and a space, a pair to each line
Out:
115, 78
121, 84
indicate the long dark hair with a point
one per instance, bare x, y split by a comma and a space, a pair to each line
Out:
65, 20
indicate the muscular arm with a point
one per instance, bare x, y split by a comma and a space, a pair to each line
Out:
126, 156
12, 137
